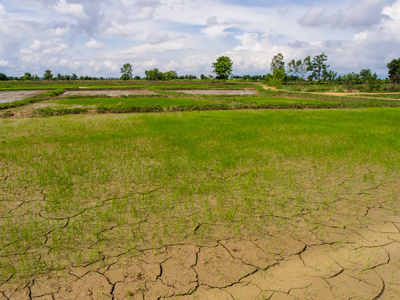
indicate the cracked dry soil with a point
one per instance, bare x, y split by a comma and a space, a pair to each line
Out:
364, 266
327, 262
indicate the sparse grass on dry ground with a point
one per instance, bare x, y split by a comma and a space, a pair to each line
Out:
202, 202
78, 189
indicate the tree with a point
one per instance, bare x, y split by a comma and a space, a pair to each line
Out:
170, 75
222, 67
318, 67
394, 70
278, 76
27, 76
3, 77
126, 71
154, 74
277, 62
47, 75
299, 68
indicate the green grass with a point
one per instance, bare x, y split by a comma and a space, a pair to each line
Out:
76, 190
119, 84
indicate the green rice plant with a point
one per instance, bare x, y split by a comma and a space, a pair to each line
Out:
77, 189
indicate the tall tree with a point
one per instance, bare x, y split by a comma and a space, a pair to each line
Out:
223, 67
318, 67
47, 75
126, 71
394, 70
277, 63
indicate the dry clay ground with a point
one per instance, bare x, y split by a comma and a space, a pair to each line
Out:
354, 255
366, 266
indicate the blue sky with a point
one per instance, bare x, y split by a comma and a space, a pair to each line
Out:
96, 37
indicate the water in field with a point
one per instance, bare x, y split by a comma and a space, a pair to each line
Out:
10, 96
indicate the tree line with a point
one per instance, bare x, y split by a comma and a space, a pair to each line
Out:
296, 70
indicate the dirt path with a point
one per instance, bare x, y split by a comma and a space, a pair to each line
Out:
330, 93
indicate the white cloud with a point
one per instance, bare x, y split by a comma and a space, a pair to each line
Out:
73, 9
2, 10
59, 31
357, 14
93, 44
188, 35
393, 11
54, 46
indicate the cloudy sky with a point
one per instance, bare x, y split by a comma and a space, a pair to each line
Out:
96, 37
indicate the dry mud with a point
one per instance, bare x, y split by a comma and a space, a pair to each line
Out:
246, 91
10, 96
327, 262
111, 93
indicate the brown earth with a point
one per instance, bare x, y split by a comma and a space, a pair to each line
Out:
111, 93
344, 264
247, 91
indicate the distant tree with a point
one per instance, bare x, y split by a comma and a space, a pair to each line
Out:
137, 77
298, 68
394, 70
329, 75
3, 77
203, 77
246, 77
74, 77
47, 75
154, 74
67, 77
190, 77
27, 76
223, 67
365, 74
279, 75
126, 71
318, 67
277, 62
169, 75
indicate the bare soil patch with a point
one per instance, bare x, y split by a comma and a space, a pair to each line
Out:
219, 92
365, 265
10, 96
111, 93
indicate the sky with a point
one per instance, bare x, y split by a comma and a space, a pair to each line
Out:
96, 37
